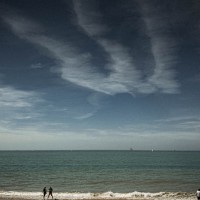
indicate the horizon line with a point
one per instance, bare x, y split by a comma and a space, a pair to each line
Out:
129, 150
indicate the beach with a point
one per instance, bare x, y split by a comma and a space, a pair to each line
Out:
99, 196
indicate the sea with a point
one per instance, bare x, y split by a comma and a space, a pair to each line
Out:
88, 174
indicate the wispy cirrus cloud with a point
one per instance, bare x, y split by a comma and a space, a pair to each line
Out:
18, 106
77, 68
124, 77
85, 116
163, 48
37, 66
88, 18
124, 70
11, 97
182, 123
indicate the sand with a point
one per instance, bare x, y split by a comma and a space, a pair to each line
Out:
99, 196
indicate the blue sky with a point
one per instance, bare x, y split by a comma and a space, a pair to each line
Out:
99, 74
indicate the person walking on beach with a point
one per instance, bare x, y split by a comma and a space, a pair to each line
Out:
198, 194
50, 192
44, 192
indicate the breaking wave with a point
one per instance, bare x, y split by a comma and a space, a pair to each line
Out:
105, 195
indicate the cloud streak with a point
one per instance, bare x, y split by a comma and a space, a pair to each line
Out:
124, 70
124, 77
10, 97
17, 108
163, 48
77, 68
182, 124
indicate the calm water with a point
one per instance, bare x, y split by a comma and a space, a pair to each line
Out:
99, 171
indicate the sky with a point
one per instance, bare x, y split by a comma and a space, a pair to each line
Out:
99, 75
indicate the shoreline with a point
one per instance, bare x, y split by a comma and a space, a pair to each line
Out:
19, 198
142, 198
11, 195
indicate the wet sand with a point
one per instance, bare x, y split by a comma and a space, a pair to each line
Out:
19, 198
40, 198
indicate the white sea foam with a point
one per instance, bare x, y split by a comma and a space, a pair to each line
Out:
106, 195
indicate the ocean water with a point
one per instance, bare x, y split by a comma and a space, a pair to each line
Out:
105, 172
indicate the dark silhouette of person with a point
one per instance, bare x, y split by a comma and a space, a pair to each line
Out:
44, 192
50, 192
198, 194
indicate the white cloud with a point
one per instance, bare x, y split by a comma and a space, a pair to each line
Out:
89, 24
11, 97
37, 66
124, 77
55, 136
182, 123
76, 67
85, 116
22, 26
125, 73
163, 49
18, 105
